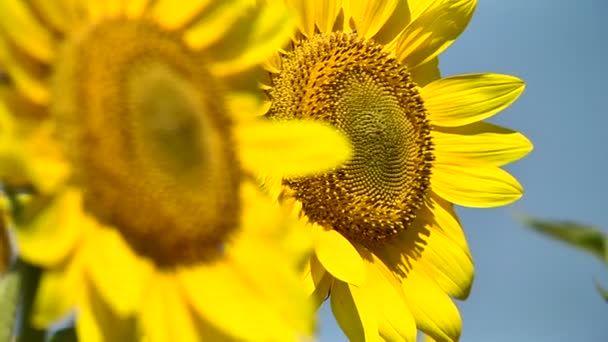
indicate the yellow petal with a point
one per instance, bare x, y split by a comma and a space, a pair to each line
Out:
64, 221
480, 143
321, 293
446, 257
227, 302
113, 8
21, 25
395, 24
434, 311
42, 157
417, 7
325, 14
265, 222
165, 314
135, 8
31, 87
174, 15
57, 292
216, 21
436, 28
277, 286
118, 274
98, 323
54, 12
338, 256
291, 148
253, 39
394, 317
433, 244
475, 186
464, 99
312, 275
426, 73
7, 126
307, 15
369, 16
244, 106
353, 309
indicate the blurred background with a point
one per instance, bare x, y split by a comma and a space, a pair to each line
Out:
528, 287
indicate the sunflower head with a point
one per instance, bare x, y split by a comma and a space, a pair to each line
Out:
351, 83
155, 127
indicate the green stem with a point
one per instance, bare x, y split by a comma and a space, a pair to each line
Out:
30, 277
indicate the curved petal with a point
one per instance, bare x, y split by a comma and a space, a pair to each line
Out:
353, 309
312, 275
174, 15
21, 25
165, 314
244, 106
394, 25
134, 8
54, 12
215, 23
321, 293
64, 220
338, 255
326, 13
446, 259
277, 286
435, 245
290, 148
369, 16
434, 311
221, 303
306, 13
252, 41
417, 7
481, 143
58, 291
426, 73
475, 186
464, 99
31, 87
117, 273
98, 323
113, 8
395, 320
264, 222
436, 28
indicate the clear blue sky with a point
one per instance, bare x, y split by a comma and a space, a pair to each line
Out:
529, 288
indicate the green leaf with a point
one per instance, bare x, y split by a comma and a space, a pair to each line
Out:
603, 292
584, 237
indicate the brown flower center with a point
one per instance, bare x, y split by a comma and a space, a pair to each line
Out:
144, 123
346, 81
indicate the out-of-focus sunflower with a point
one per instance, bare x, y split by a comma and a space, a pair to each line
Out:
390, 251
136, 126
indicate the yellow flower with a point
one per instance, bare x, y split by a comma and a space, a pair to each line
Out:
136, 126
390, 251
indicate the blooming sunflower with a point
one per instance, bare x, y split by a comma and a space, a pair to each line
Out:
136, 126
389, 250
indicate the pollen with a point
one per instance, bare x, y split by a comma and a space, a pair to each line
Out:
143, 123
352, 84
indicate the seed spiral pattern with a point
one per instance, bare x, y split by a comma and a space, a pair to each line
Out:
143, 122
352, 84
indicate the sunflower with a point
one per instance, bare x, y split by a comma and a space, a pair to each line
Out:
136, 127
389, 250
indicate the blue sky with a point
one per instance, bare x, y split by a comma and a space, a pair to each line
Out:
529, 288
